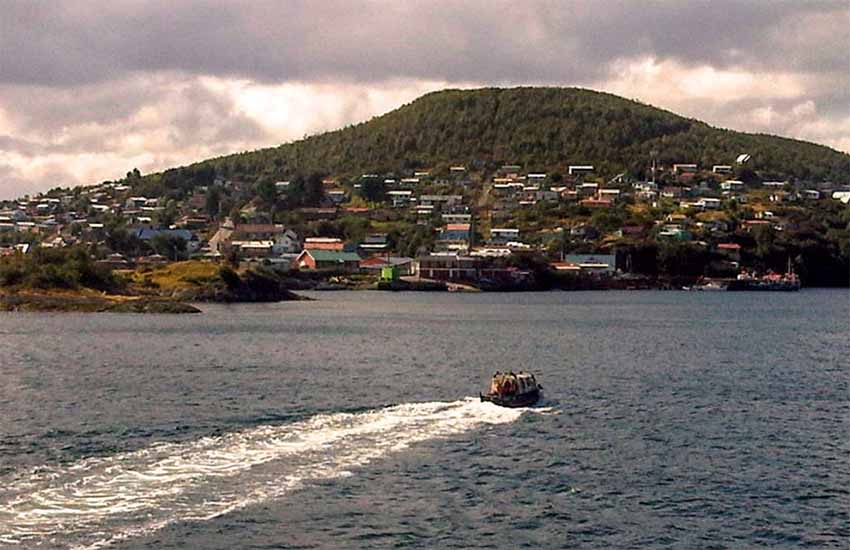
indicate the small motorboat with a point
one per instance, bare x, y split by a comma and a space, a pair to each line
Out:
508, 389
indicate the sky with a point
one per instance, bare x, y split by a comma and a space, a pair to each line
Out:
92, 89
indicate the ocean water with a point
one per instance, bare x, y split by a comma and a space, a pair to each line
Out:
670, 420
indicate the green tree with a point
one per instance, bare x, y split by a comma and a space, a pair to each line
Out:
212, 201
168, 245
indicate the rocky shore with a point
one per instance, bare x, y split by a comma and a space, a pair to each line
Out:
31, 302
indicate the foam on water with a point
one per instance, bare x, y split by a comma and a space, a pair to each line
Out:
100, 500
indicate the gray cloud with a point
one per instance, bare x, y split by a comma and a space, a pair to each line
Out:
494, 41
124, 80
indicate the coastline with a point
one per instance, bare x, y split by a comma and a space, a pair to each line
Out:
78, 302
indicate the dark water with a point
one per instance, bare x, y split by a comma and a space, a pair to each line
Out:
673, 420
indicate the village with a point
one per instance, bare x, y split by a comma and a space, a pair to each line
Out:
487, 227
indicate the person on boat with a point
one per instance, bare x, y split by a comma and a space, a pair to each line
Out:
495, 383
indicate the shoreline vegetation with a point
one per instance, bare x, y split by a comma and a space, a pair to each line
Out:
68, 280
52, 281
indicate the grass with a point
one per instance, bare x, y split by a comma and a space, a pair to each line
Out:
177, 276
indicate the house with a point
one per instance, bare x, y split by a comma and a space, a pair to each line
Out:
631, 231
721, 169
448, 267
114, 261
455, 235
442, 202
588, 189
503, 235
584, 231
603, 264
578, 169
709, 203
609, 194
336, 196
673, 231
457, 218
284, 240
733, 186
134, 203
375, 243
596, 203
328, 260
684, 168
252, 249
843, 196
323, 243
680, 219
810, 194
672, 192
399, 198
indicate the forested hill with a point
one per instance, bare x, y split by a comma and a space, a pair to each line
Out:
538, 128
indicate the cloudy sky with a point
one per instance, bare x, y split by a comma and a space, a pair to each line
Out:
90, 90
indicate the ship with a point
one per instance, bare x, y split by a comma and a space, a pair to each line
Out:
771, 281
513, 390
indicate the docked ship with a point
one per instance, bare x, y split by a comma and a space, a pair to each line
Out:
513, 390
771, 281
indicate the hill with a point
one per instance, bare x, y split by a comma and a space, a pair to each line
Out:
538, 128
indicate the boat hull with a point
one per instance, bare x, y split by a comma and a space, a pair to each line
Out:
764, 286
524, 400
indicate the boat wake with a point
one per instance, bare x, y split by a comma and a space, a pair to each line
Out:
98, 501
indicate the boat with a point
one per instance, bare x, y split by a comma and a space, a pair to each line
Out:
513, 390
707, 285
788, 282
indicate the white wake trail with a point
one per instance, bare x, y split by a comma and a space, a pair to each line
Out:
97, 501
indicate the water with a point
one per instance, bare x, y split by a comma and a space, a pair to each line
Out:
699, 420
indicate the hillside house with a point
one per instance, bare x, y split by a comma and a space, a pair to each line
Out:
455, 235
732, 186
504, 235
457, 218
375, 243
441, 202
336, 196
580, 169
284, 240
323, 243
399, 198
708, 203
596, 203
685, 168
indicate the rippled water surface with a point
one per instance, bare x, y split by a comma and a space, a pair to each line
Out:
671, 420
